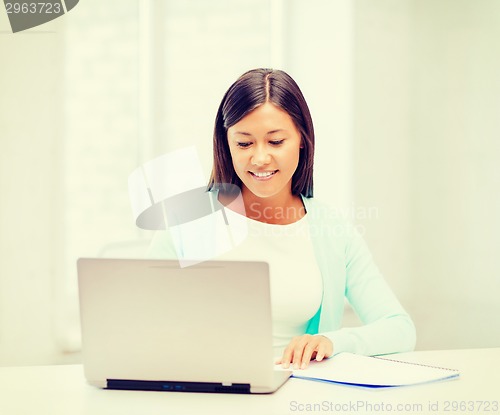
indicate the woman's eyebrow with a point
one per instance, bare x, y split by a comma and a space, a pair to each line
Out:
280, 130
242, 133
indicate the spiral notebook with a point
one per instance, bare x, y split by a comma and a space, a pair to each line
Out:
373, 372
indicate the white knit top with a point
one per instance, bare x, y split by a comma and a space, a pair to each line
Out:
295, 279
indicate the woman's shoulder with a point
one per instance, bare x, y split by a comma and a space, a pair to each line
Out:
329, 221
323, 211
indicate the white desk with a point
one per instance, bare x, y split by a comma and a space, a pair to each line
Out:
58, 390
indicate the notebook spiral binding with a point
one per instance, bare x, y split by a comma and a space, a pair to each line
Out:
416, 364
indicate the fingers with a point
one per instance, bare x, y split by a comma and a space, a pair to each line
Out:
302, 349
307, 353
324, 350
288, 353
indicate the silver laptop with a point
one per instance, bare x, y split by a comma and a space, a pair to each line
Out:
151, 325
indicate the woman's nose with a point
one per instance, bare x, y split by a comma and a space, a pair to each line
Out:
260, 157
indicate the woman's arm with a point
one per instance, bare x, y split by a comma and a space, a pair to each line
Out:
349, 271
387, 326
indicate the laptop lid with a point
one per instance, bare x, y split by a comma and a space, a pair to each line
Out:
149, 324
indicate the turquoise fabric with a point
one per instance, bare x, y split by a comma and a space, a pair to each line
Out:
348, 271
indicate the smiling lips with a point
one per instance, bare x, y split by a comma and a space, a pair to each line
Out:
263, 175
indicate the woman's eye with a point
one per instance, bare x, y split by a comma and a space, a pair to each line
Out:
243, 144
276, 142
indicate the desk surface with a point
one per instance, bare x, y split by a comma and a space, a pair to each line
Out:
61, 390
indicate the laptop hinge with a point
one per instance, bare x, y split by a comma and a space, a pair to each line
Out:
172, 386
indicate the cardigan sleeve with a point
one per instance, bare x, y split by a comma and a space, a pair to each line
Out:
387, 327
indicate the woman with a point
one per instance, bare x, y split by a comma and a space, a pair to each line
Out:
264, 144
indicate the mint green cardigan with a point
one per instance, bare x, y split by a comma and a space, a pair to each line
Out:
348, 271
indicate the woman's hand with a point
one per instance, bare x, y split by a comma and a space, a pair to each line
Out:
302, 349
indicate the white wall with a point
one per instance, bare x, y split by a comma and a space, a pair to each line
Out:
30, 166
426, 151
455, 171
382, 134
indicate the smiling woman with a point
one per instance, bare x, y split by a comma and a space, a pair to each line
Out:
265, 127
264, 144
263, 106
265, 147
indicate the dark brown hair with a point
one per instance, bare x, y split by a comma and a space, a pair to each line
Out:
251, 90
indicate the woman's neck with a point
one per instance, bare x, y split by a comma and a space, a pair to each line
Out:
281, 209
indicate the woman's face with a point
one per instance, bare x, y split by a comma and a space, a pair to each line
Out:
265, 147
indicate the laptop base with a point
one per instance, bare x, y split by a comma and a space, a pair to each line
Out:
169, 386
